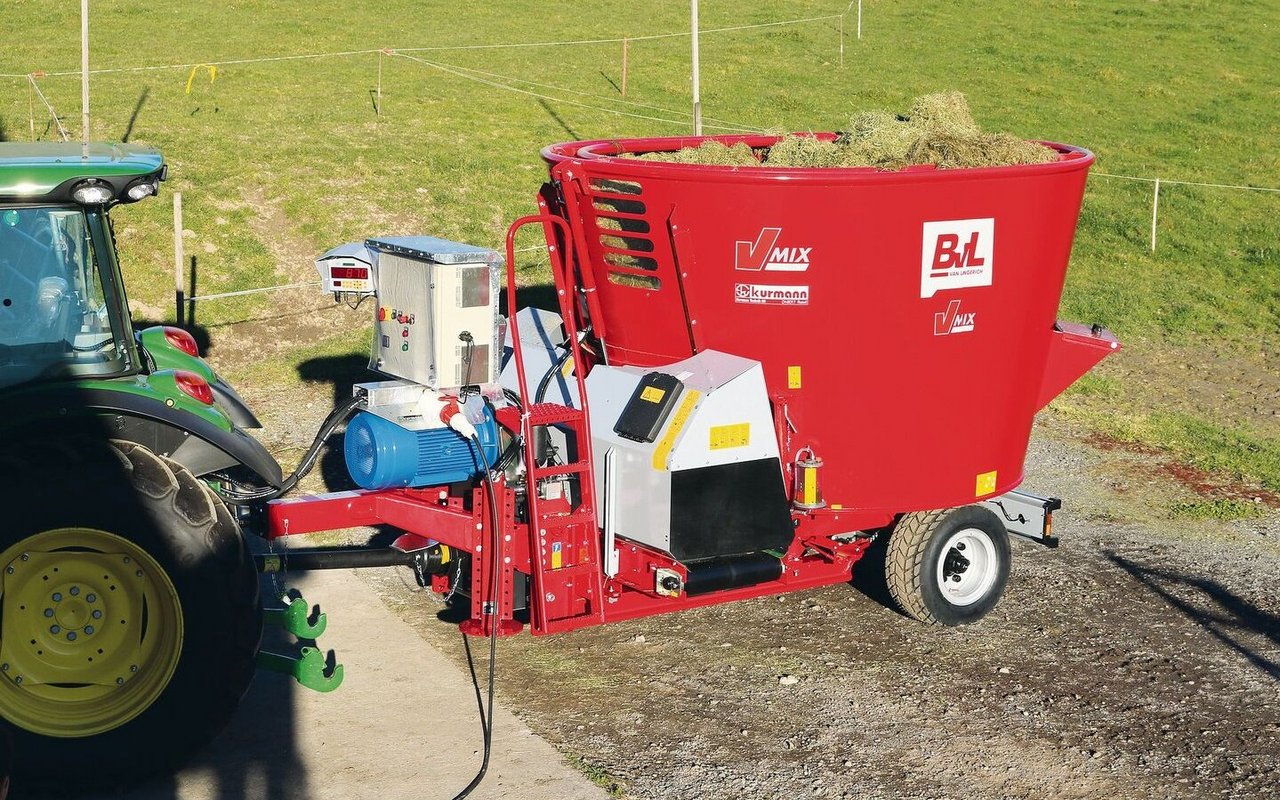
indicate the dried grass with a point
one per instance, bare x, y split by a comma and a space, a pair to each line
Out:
804, 151
938, 130
709, 152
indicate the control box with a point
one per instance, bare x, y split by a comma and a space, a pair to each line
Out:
436, 322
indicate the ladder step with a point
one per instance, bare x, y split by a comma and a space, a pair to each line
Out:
553, 413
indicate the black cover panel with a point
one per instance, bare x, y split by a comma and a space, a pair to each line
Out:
729, 510
650, 403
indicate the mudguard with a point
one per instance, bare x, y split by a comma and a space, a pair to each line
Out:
231, 404
197, 443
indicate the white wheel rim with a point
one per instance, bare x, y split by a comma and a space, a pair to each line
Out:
967, 567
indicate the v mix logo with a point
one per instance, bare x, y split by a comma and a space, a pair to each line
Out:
953, 320
764, 254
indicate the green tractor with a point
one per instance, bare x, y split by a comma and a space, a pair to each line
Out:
129, 608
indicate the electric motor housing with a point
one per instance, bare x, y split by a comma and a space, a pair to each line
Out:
381, 454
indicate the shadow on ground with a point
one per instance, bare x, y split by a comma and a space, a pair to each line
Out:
1229, 618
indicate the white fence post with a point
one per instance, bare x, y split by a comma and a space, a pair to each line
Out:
178, 255
1155, 211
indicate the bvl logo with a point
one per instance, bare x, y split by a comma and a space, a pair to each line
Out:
953, 320
956, 254
764, 254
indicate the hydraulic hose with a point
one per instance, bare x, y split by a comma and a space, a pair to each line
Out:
330, 423
545, 383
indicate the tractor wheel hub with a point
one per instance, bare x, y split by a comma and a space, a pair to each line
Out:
84, 616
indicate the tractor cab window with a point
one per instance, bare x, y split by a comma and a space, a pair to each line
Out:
55, 318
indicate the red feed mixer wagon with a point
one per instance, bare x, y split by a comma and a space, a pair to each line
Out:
754, 373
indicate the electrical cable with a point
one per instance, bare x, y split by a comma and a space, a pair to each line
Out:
470, 341
491, 609
545, 383
509, 456
304, 466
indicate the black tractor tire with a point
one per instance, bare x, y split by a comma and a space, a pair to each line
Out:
82, 504
948, 567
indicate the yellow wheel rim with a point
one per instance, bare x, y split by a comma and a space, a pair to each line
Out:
90, 632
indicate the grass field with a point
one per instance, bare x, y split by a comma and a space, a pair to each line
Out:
280, 160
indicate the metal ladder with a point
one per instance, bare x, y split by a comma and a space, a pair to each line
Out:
567, 590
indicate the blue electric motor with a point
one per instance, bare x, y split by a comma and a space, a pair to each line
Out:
381, 454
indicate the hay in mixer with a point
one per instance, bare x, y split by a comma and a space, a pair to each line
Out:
939, 130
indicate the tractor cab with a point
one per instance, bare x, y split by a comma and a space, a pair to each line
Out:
63, 313
68, 348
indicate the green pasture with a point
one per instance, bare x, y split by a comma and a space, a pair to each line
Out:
289, 157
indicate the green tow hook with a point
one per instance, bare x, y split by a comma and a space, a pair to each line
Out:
321, 673
311, 667
295, 618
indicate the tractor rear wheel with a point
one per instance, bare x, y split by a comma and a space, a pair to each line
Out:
129, 616
948, 567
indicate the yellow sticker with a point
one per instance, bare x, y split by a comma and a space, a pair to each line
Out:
673, 429
653, 394
557, 557
725, 436
567, 369
986, 484
793, 377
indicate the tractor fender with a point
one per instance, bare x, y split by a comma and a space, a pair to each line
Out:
193, 441
231, 404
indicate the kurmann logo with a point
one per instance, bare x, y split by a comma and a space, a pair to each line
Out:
956, 254
764, 254
757, 294
953, 320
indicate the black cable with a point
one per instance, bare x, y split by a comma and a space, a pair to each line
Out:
347, 302
513, 398
308, 461
545, 383
491, 605
509, 456
470, 341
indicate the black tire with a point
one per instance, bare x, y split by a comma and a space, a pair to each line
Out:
948, 567
126, 498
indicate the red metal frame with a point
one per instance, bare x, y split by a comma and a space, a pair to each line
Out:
579, 594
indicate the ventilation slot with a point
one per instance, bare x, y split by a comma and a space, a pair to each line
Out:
617, 205
614, 186
626, 243
635, 281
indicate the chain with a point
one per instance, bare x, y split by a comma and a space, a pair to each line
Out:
277, 585
425, 582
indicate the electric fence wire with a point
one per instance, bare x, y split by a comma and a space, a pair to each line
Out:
401, 51
433, 48
52, 114
1172, 182
725, 125
497, 85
